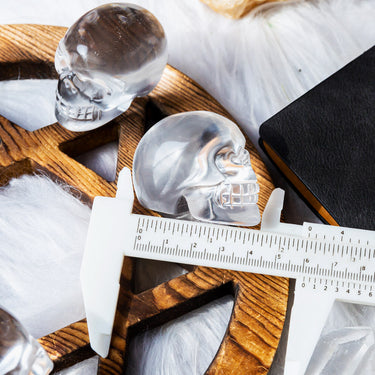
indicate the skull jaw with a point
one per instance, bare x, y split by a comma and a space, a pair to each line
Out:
203, 206
86, 116
97, 119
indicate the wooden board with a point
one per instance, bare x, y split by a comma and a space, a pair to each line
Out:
249, 345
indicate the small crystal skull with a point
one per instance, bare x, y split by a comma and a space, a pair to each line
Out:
20, 353
194, 165
111, 55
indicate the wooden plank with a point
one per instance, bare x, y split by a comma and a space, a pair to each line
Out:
27, 51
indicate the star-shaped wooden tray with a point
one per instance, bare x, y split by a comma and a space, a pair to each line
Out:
253, 334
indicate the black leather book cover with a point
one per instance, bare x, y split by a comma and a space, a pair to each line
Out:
324, 143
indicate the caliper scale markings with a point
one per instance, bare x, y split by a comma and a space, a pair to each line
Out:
253, 250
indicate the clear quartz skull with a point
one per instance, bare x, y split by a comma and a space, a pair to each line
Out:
194, 165
20, 353
111, 55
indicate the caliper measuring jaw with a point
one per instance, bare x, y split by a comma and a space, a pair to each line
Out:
112, 228
102, 261
310, 310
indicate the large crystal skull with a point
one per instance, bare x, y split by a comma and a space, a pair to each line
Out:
111, 55
195, 165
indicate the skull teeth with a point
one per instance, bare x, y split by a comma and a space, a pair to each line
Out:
80, 113
238, 195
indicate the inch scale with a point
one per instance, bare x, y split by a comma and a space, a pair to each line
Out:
329, 263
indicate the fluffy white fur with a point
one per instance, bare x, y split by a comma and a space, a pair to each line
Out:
254, 67
190, 341
30, 111
87, 367
42, 231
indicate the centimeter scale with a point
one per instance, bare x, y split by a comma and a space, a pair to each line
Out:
329, 263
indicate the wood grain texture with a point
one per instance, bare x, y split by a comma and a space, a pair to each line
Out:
27, 51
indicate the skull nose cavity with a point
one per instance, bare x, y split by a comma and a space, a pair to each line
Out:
241, 194
242, 157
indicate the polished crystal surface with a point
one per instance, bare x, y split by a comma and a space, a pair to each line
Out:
195, 165
111, 55
342, 352
20, 353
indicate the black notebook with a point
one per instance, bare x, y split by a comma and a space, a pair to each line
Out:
324, 143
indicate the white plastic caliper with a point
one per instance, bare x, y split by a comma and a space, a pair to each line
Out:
329, 263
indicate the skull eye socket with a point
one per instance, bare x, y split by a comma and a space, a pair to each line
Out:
229, 162
95, 92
